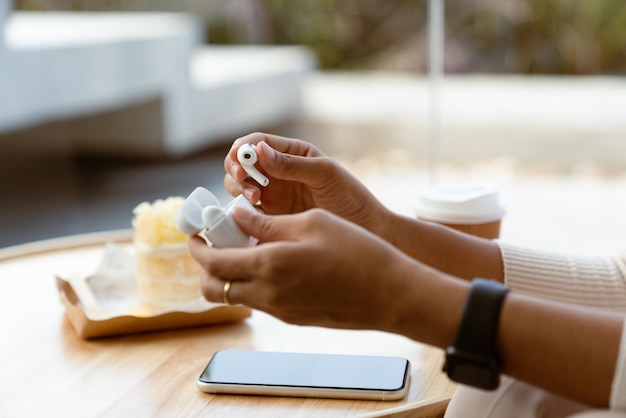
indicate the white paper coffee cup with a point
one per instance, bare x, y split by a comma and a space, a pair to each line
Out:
471, 208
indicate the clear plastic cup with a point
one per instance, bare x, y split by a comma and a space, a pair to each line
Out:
471, 208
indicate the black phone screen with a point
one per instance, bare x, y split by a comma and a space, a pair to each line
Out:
247, 367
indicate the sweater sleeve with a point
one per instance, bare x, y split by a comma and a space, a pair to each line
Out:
596, 281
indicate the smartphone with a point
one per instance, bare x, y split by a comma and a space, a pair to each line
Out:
249, 372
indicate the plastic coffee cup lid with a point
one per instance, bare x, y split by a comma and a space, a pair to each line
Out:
460, 204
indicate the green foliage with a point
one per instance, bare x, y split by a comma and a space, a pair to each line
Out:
511, 36
543, 36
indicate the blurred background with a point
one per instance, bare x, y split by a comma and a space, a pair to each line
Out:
107, 103
482, 36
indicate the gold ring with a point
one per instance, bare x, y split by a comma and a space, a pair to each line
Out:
226, 290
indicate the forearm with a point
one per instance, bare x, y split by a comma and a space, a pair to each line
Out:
564, 349
458, 254
598, 281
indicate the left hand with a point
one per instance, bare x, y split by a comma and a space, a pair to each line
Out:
311, 268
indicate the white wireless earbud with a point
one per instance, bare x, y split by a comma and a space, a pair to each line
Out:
247, 158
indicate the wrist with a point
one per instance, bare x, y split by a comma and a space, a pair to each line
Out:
473, 358
458, 254
430, 307
389, 227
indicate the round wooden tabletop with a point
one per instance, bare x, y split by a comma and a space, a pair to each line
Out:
48, 370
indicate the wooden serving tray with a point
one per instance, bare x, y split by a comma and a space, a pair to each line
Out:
88, 328
106, 303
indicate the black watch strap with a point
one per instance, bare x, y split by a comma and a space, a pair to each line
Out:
479, 324
473, 358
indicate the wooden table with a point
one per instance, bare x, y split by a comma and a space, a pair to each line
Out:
47, 370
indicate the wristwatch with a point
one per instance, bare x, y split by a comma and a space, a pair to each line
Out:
472, 359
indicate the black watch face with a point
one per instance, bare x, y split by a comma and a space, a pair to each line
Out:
471, 375
472, 370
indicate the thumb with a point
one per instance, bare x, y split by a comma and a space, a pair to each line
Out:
264, 227
308, 170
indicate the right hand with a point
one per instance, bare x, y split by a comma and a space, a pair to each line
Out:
301, 178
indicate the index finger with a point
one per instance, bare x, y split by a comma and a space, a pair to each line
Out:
279, 143
225, 263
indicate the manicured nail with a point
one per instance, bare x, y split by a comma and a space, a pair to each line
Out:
268, 151
243, 213
248, 194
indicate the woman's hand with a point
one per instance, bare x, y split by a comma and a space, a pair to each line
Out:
301, 178
311, 268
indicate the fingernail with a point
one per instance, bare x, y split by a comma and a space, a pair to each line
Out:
233, 171
268, 151
243, 213
248, 194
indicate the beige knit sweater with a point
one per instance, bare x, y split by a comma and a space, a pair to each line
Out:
594, 281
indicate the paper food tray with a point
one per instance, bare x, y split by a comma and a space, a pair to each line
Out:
104, 304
